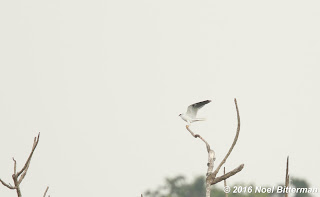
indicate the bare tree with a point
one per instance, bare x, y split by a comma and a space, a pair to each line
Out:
211, 178
20, 175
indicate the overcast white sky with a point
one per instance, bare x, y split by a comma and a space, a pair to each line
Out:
104, 82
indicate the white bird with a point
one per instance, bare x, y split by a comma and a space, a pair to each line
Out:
190, 115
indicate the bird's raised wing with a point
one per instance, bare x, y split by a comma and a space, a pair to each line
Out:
193, 109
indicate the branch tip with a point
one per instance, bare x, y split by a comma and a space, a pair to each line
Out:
45, 192
19, 176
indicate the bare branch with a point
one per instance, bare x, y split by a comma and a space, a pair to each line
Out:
35, 143
229, 174
7, 185
15, 181
211, 176
287, 177
211, 158
14, 166
198, 136
23, 174
225, 181
19, 176
45, 193
211, 153
214, 174
25, 168
16, 184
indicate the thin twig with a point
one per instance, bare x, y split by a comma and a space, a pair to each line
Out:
7, 185
287, 177
45, 193
14, 166
229, 174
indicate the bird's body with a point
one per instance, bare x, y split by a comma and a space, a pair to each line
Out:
190, 115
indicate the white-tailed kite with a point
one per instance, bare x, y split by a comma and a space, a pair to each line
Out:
191, 114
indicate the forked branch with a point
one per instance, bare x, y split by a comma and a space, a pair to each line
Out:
229, 174
211, 157
26, 165
20, 175
211, 176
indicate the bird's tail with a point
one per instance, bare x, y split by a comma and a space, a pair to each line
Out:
199, 119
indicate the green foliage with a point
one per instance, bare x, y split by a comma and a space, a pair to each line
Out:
179, 187
299, 183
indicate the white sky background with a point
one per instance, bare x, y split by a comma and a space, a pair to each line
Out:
104, 82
